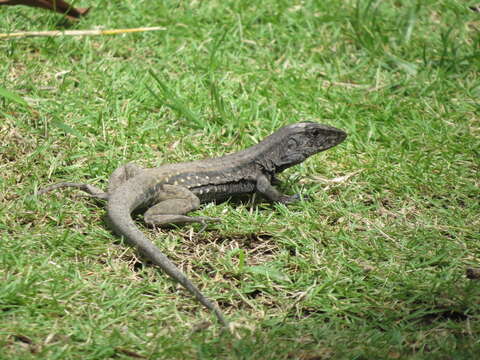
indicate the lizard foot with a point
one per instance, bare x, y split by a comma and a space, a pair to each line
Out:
287, 199
205, 219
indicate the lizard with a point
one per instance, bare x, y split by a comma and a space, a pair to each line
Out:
171, 191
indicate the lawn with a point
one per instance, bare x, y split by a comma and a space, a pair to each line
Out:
381, 258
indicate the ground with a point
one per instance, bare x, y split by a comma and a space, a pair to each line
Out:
378, 261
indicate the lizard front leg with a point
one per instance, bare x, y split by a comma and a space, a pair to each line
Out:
173, 202
264, 187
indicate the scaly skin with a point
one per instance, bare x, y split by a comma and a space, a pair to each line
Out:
169, 192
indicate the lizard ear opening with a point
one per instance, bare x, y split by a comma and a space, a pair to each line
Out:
292, 144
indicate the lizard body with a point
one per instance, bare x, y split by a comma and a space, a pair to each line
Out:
169, 192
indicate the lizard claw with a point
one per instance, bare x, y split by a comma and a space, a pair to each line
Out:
287, 199
205, 219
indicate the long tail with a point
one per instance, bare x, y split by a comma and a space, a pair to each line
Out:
122, 223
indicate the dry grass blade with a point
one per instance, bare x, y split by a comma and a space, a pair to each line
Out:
337, 180
79, 32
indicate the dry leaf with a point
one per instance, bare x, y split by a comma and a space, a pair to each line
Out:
59, 6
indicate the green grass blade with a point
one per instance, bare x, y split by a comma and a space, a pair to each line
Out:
9, 95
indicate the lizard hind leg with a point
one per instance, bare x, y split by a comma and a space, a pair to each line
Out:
118, 177
164, 220
173, 205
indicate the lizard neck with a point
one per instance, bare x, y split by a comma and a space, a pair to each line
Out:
286, 147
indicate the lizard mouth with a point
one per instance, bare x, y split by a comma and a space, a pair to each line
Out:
325, 142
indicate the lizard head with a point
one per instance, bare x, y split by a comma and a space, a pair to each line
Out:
301, 140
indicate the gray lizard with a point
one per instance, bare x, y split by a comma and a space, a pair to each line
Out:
170, 191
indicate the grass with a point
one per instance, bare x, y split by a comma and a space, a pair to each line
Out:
371, 266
